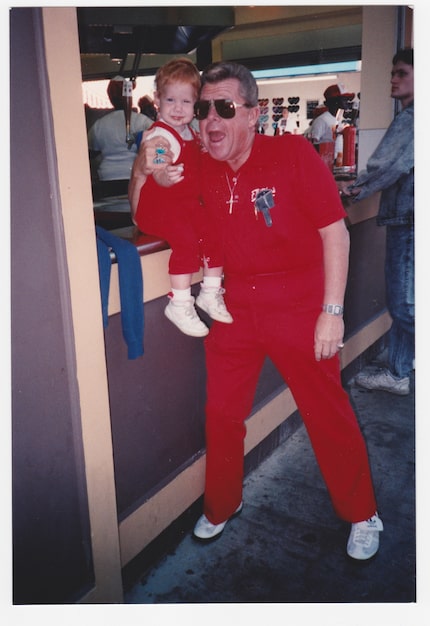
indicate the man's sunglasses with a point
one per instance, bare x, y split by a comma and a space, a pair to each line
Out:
225, 108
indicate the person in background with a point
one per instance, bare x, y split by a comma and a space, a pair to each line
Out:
147, 107
319, 110
107, 136
324, 127
390, 169
286, 123
278, 216
169, 204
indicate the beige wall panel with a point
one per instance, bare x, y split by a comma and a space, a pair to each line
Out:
378, 48
62, 52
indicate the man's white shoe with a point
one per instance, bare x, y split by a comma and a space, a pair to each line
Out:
363, 542
183, 314
212, 302
383, 380
204, 530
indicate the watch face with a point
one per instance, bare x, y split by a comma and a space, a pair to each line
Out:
333, 309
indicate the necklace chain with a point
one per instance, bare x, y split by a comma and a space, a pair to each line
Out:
231, 189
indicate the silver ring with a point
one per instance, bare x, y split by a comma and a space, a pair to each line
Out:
341, 345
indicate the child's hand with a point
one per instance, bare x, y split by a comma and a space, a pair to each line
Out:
170, 175
175, 173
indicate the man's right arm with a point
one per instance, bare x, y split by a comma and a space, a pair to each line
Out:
316, 130
143, 167
392, 159
137, 180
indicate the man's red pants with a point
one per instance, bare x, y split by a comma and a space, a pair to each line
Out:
274, 315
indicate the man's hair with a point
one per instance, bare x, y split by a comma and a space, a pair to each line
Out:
114, 91
406, 55
180, 70
216, 72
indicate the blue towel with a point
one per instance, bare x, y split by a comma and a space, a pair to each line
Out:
130, 287
138, 139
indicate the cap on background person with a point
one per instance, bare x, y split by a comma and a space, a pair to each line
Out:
337, 91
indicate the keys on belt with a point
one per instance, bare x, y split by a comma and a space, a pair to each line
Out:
263, 202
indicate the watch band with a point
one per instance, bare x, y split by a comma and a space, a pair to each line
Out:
333, 309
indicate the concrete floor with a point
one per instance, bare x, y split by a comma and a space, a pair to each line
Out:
288, 546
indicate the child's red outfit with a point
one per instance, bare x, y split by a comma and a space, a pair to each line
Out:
274, 282
175, 213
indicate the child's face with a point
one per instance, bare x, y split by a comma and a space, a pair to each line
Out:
176, 104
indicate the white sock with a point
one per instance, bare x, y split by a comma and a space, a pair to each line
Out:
211, 282
181, 294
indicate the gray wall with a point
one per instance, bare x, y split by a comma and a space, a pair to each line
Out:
51, 541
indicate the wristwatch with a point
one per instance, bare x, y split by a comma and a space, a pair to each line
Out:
333, 309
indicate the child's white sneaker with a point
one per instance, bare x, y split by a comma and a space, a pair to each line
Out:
183, 314
212, 302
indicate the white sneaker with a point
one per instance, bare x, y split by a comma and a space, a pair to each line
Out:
363, 542
183, 314
383, 380
212, 302
204, 530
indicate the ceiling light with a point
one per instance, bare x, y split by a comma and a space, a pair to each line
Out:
307, 79
307, 70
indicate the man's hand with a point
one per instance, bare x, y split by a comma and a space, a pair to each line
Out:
345, 189
144, 166
328, 338
145, 163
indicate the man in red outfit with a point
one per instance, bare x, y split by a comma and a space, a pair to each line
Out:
280, 222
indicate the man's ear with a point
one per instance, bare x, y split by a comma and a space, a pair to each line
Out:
253, 115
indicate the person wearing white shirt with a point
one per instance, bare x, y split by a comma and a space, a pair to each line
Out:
107, 136
324, 127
